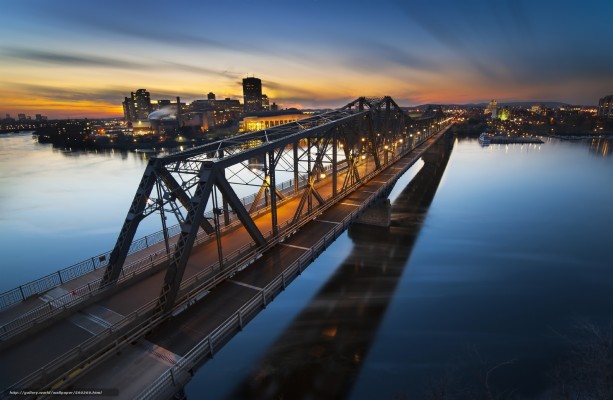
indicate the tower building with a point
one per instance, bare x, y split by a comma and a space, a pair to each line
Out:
252, 93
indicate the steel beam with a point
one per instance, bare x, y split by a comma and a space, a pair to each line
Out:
176, 190
240, 210
130, 225
187, 237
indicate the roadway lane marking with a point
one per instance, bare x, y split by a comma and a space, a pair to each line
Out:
161, 353
326, 221
380, 181
349, 204
87, 324
367, 191
297, 247
246, 285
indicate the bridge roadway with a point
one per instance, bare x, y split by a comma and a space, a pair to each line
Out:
133, 368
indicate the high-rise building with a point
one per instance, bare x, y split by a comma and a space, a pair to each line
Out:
137, 107
605, 107
265, 103
210, 96
21, 117
252, 92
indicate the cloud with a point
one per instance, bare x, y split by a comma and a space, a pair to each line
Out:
81, 60
112, 95
88, 61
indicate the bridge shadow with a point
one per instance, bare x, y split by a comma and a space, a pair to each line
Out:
321, 352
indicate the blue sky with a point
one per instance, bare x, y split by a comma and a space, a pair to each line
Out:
71, 58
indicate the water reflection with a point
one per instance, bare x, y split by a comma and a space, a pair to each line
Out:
600, 147
320, 354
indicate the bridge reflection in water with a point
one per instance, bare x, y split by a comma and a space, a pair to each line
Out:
320, 354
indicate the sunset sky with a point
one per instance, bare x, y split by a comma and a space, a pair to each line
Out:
71, 58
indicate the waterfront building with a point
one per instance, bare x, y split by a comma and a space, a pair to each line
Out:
252, 92
268, 119
605, 107
212, 113
138, 106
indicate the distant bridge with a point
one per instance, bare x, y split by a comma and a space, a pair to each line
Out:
326, 158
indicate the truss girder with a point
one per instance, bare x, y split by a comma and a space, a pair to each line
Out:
239, 209
187, 237
128, 230
181, 195
194, 177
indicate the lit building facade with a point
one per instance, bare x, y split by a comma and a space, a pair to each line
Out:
252, 93
492, 107
137, 107
265, 103
213, 113
268, 119
605, 107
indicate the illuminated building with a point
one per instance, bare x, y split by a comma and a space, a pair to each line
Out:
268, 119
252, 92
492, 107
605, 107
137, 107
537, 108
265, 103
212, 113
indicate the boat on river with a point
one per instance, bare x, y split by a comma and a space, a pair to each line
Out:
484, 139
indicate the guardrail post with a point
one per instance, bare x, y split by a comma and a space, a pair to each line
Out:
60, 276
264, 298
240, 320
21, 291
283, 279
210, 347
172, 378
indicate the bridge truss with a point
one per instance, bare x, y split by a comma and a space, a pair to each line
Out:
201, 187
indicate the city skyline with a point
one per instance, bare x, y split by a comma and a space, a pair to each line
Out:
73, 59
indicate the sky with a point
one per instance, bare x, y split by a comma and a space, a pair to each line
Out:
75, 58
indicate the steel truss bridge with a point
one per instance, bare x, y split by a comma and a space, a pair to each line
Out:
290, 173
313, 150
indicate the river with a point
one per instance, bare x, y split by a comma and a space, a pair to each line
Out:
512, 255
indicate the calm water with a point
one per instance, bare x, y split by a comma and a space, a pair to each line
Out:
58, 207
512, 255
513, 252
